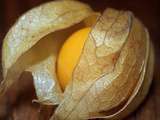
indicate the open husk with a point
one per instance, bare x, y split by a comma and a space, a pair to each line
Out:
114, 71
115, 65
22, 50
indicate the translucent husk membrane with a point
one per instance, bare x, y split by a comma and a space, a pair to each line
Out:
112, 75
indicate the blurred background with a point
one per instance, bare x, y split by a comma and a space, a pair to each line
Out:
148, 11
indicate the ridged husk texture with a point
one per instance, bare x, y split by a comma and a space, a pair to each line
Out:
114, 71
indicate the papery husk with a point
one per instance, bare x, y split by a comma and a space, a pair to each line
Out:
139, 92
23, 49
44, 73
114, 71
112, 75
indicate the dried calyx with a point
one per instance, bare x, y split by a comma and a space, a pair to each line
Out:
110, 67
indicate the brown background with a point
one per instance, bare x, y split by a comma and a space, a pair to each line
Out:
147, 10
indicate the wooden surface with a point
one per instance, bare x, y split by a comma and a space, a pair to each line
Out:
148, 11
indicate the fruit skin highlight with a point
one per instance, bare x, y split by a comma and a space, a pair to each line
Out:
69, 55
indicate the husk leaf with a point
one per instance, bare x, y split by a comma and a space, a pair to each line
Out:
110, 71
19, 47
112, 75
140, 90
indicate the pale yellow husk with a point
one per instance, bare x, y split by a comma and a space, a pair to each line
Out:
21, 51
114, 71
